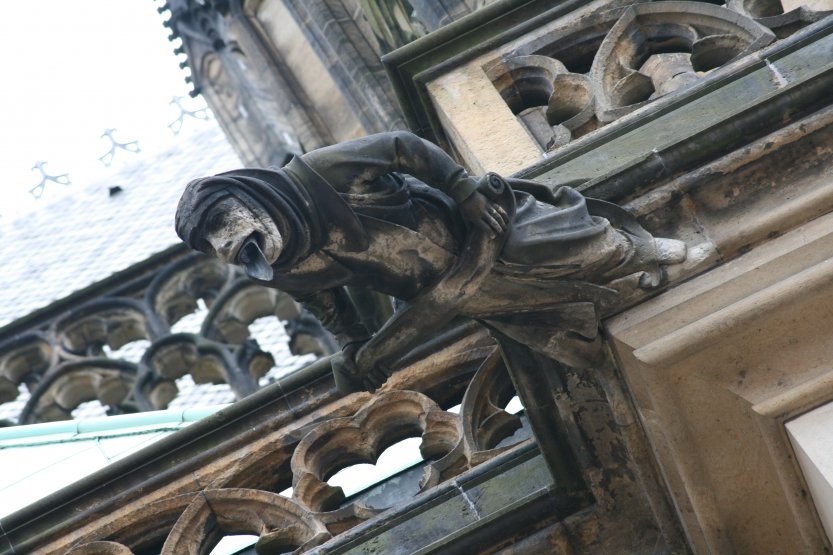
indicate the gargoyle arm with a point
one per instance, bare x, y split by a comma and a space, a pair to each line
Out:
438, 305
347, 166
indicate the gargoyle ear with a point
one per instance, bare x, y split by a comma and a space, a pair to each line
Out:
254, 261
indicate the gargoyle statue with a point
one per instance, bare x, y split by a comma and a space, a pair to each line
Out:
395, 214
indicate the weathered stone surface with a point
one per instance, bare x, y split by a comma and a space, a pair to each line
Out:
737, 165
281, 524
22, 358
385, 420
488, 424
634, 146
716, 365
359, 214
464, 507
467, 103
323, 98
101, 548
67, 385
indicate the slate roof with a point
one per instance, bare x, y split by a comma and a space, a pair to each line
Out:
88, 235
85, 237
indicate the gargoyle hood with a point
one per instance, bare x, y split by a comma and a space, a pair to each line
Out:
307, 211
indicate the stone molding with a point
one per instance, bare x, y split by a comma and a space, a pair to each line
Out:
299, 432
716, 367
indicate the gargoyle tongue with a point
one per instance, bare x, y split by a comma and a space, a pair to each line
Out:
254, 261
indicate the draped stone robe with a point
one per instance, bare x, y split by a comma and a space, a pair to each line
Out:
381, 212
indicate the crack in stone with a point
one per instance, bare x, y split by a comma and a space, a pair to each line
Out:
779, 78
471, 504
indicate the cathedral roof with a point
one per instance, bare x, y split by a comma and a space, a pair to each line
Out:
102, 228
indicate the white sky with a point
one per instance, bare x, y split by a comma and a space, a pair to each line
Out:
70, 70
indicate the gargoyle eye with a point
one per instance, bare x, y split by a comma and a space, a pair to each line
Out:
215, 222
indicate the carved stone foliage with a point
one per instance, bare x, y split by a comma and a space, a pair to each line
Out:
94, 352
603, 66
310, 447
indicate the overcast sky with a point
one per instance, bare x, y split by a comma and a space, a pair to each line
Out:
72, 68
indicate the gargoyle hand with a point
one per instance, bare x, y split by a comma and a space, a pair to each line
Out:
489, 216
372, 367
347, 376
